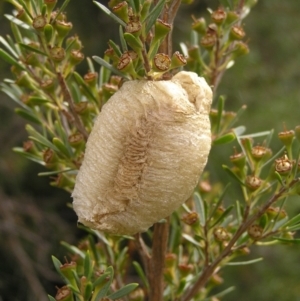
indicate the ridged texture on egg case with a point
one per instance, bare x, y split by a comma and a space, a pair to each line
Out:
145, 154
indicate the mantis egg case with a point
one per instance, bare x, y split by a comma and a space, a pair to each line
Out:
145, 154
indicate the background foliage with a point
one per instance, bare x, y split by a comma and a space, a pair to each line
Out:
266, 81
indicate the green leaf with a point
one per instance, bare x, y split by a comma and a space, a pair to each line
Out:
81, 82
289, 241
221, 103
245, 262
88, 291
52, 173
191, 240
115, 47
221, 294
293, 221
223, 215
141, 274
38, 100
154, 14
101, 279
125, 290
29, 156
218, 203
9, 59
232, 174
226, 138
14, 93
200, 208
87, 266
109, 13
25, 7
61, 147
19, 23
133, 42
57, 264
73, 249
64, 5
36, 136
8, 47
105, 64
33, 49
28, 115
122, 40
104, 290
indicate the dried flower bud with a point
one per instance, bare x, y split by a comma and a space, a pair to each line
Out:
162, 62
283, 165
199, 25
190, 218
185, 269
253, 182
145, 154
286, 137
237, 32
121, 10
255, 231
221, 234
178, 60
64, 294
218, 16
208, 41
133, 27
57, 54
39, 22
258, 152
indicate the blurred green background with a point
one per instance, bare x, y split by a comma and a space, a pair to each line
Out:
34, 217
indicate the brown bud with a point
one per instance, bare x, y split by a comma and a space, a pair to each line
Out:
64, 294
133, 27
39, 22
57, 54
218, 16
208, 41
253, 182
283, 165
162, 61
255, 231
237, 32
191, 218
221, 234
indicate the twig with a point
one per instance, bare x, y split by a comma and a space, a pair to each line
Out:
209, 270
68, 98
157, 262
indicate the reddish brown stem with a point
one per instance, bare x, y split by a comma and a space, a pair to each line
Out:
157, 262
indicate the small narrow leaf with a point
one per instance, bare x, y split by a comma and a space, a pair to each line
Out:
245, 262
109, 13
200, 208
51, 298
154, 14
73, 249
122, 40
220, 112
125, 290
29, 156
27, 47
104, 290
227, 138
115, 47
232, 174
62, 147
293, 221
19, 23
289, 241
8, 47
52, 173
222, 217
9, 59
28, 115
105, 64
64, 5
141, 273
191, 240
36, 136
57, 264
